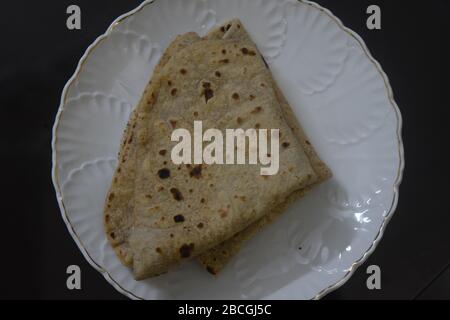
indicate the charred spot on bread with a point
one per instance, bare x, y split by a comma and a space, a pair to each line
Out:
178, 218
209, 93
177, 195
163, 173
186, 250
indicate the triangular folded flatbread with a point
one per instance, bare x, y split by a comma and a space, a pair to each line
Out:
158, 213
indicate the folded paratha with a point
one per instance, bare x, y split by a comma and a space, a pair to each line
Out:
158, 213
216, 258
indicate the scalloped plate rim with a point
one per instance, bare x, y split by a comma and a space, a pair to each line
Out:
351, 268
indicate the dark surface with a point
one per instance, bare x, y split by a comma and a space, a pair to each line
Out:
39, 54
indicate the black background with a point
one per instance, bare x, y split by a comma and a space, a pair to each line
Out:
39, 54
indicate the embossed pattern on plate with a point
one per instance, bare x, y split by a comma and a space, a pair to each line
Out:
336, 89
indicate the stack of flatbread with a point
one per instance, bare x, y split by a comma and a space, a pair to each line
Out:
158, 213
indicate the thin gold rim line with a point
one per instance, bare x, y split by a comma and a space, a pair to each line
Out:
360, 41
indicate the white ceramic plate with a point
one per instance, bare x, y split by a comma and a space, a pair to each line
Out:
337, 90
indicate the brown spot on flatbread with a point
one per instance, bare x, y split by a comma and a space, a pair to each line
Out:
202, 200
186, 250
161, 188
208, 94
173, 123
243, 198
224, 51
196, 172
228, 27
211, 185
222, 28
171, 235
163, 173
206, 85
163, 152
224, 61
111, 196
190, 190
238, 26
158, 250
165, 162
235, 96
195, 114
223, 213
308, 143
173, 91
239, 120
177, 195
210, 270
256, 110
112, 235
151, 99
263, 85
251, 97
169, 83
149, 196
218, 74
119, 169
107, 217
183, 71
200, 225
244, 50
178, 218
285, 144
257, 126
